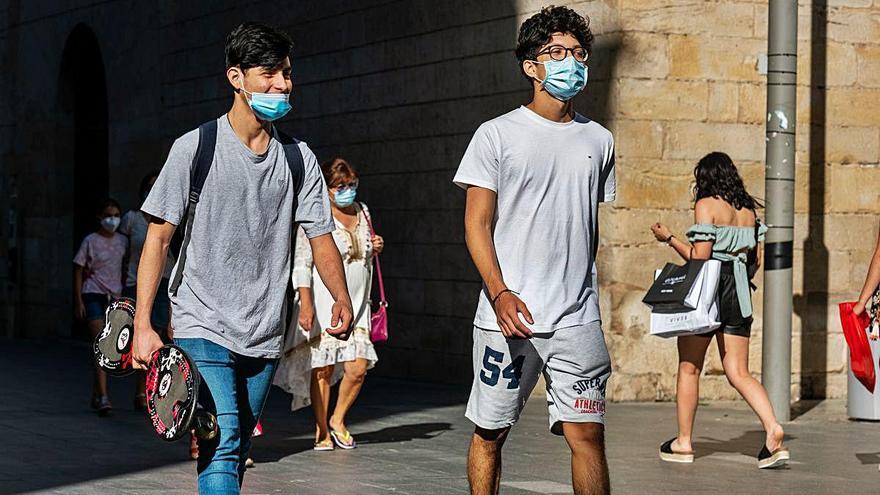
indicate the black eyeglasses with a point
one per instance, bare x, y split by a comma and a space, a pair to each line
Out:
559, 52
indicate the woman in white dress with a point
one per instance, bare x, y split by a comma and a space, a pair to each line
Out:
310, 347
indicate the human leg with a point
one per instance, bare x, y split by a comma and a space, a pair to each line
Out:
691, 356
320, 392
219, 457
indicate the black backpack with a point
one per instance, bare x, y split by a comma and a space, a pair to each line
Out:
201, 165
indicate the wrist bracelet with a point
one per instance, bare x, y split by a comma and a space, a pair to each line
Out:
669, 240
494, 299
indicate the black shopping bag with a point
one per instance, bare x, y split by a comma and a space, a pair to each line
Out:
673, 286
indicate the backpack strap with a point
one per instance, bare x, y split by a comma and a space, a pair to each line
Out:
297, 166
294, 158
201, 165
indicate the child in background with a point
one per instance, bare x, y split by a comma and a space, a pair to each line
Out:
97, 277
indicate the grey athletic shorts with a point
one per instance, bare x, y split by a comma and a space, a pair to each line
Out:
576, 368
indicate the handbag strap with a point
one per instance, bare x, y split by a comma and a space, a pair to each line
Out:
382, 299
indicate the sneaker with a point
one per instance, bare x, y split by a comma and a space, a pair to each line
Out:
248, 463
104, 406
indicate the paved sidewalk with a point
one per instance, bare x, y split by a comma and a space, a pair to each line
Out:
413, 440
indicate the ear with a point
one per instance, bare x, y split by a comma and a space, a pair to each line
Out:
530, 68
235, 77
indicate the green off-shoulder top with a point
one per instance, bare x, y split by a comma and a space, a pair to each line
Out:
731, 243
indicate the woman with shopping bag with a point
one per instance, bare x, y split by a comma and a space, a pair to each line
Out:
856, 322
726, 229
871, 293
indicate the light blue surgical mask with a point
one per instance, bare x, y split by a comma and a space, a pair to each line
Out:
565, 78
110, 224
345, 198
268, 106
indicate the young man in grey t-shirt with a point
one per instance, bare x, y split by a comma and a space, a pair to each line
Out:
535, 177
228, 309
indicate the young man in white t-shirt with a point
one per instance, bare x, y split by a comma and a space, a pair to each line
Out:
534, 178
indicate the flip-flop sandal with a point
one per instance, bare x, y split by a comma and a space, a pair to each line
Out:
324, 446
343, 440
668, 455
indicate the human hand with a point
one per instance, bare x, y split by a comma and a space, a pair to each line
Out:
79, 309
341, 319
508, 307
306, 317
378, 244
858, 308
661, 232
146, 341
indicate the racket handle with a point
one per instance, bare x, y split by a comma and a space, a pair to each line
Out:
205, 424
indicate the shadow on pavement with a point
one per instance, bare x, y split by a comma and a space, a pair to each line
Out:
868, 458
45, 421
274, 448
748, 444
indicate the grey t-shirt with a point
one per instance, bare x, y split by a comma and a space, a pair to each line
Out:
549, 178
238, 262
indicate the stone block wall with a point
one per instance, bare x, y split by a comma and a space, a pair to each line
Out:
687, 83
398, 89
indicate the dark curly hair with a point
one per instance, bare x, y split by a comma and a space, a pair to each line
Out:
537, 30
717, 177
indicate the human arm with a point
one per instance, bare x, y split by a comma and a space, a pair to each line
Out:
698, 250
302, 280
152, 264
79, 307
165, 208
328, 262
479, 212
872, 281
80, 273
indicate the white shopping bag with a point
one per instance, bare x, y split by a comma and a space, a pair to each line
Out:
704, 318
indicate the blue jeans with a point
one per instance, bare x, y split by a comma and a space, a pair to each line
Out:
234, 387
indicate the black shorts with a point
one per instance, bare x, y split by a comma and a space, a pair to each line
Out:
729, 312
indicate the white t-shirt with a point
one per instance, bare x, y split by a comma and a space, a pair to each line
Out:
550, 178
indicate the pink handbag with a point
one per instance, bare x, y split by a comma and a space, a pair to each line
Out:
379, 319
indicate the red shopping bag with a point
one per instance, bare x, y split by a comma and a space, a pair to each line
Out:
861, 360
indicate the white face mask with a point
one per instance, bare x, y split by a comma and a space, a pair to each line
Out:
110, 224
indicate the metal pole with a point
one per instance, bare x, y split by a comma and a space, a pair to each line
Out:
779, 186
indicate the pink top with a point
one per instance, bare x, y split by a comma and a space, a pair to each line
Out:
101, 257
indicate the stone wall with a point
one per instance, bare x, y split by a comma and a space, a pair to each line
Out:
399, 87
686, 84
